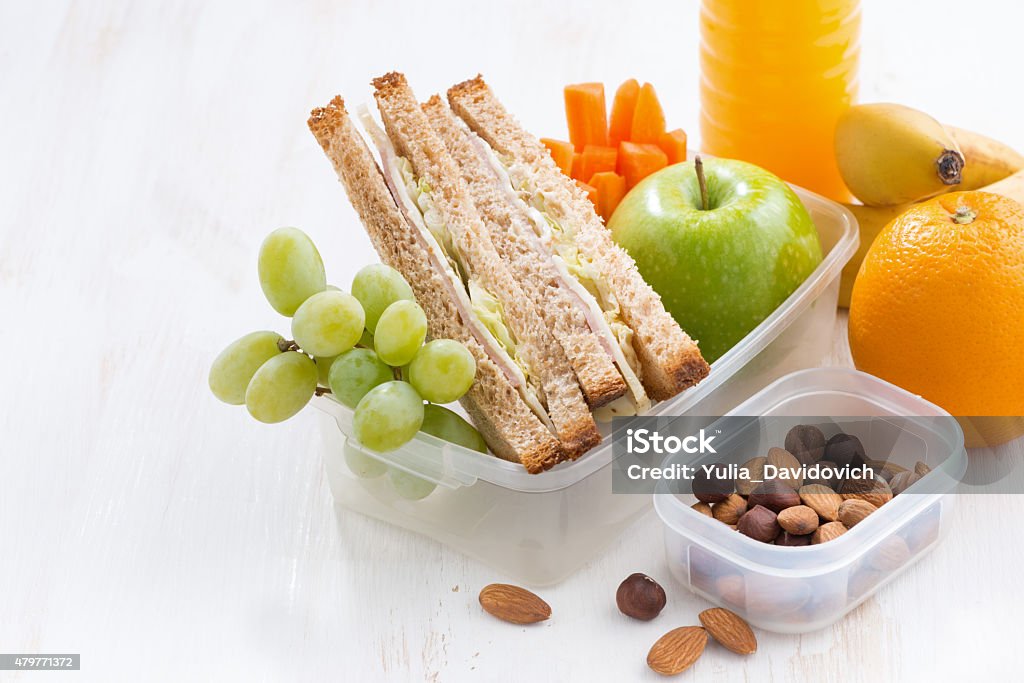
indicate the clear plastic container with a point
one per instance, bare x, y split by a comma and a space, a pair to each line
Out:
538, 529
802, 589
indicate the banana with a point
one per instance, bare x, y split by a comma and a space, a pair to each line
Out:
989, 166
986, 161
891, 154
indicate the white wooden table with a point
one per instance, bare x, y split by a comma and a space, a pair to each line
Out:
145, 149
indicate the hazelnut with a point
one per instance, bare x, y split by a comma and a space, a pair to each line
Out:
640, 597
702, 508
853, 511
787, 467
755, 475
774, 495
845, 449
807, 443
713, 488
792, 540
799, 520
729, 510
828, 532
759, 523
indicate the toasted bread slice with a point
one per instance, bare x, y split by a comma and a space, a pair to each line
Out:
510, 428
535, 347
669, 360
515, 237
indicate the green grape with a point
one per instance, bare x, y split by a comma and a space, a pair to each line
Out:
362, 465
290, 269
409, 486
328, 323
235, 366
354, 373
366, 340
333, 288
281, 387
377, 286
323, 370
442, 371
448, 425
400, 332
388, 416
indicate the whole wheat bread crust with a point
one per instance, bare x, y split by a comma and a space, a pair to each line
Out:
508, 426
514, 237
415, 139
670, 360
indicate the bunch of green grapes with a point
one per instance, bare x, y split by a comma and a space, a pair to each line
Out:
365, 348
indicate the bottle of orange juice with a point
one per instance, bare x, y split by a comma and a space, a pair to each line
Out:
775, 76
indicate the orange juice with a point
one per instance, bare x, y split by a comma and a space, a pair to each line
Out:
775, 76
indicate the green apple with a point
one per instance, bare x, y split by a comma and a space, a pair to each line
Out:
724, 266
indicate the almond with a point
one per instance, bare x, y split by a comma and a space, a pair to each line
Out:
755, 475
702, 508
677, 650
886, 470
853, 511
729, 510
874, 491
828, 532
729, 629
799, 520
921, 469
903, 481
822, 500
787, 466
890, 554
513, 604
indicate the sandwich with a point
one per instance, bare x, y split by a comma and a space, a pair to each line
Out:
516, 230
472, 295
658, 352
493, 268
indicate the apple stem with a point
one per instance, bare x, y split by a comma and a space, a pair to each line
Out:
699, 166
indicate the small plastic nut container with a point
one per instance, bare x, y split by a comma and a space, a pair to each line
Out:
538, 529
802, 589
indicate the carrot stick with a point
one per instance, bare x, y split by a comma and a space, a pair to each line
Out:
585, 113
611, 188
648, 118
590, 190
622, 112
561, 152
597, 159
637, 161
673, 144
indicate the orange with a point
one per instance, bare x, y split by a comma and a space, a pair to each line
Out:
938, 309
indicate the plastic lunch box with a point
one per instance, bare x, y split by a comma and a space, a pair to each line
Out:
801, 589
538, 529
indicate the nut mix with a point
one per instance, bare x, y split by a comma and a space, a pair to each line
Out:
788, 510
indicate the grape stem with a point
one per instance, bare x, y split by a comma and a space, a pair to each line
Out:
287, 345
320, 391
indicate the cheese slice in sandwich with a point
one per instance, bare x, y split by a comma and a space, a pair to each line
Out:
660, 355
520, 235
498, 300
510, 427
